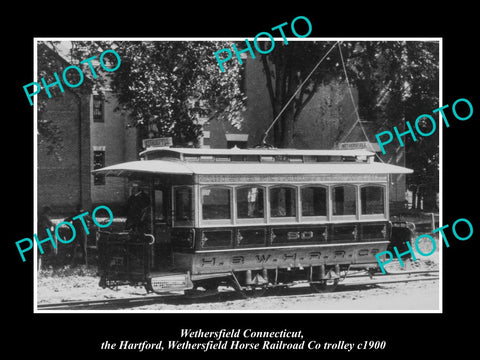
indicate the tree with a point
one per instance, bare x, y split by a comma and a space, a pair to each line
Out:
396, 81
285, 69
166, 85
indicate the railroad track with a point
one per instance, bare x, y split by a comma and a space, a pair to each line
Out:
390, 278
351, 283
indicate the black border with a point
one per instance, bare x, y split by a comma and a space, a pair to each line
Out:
63, 335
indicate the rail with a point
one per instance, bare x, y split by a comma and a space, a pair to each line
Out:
169, 298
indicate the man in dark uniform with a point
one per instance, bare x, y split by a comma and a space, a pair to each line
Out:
137, 211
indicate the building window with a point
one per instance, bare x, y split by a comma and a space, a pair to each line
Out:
237, 140
238, 144
215, 203
98, 163
283, 202
98, 108
205, 140
250, 202
372, 200
183, 202
344, 200
314, 201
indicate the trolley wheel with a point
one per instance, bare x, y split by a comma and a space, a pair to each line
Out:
277, 290
253, 292
199, 294
324, 286
210, 285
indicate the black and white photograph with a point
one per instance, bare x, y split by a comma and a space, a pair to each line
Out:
204, 180
258, 188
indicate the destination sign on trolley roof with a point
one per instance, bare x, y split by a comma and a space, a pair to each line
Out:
367, 145
157, 142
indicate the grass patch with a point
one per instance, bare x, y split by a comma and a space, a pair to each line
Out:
68, 270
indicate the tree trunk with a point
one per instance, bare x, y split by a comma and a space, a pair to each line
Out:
288, 118
429, 200
288, 127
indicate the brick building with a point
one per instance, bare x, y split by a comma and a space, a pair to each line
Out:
328, 121
93, 135
112, 142
63, 182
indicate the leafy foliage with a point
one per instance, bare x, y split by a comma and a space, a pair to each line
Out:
165, 86
168, 85
396, 81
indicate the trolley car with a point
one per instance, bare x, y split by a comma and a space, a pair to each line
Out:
250, 218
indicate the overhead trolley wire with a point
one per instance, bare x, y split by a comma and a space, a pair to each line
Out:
264, 138
358, 121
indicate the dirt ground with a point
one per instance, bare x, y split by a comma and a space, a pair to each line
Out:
82, 284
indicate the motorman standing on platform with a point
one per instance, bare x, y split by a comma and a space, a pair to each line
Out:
137, 210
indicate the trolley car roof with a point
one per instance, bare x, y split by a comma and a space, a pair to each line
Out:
264, 152
243, 168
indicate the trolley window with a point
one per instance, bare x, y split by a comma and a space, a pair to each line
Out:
372, 199
160, 205
250, 202
314, 201
344, 200
183, 201
216, 203
283, 202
